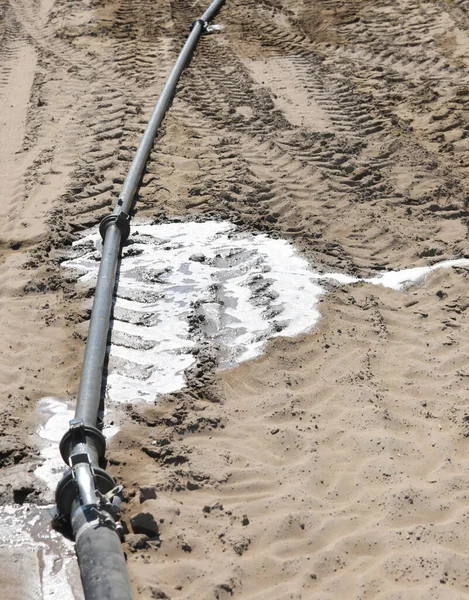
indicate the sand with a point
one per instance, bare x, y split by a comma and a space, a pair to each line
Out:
334, 465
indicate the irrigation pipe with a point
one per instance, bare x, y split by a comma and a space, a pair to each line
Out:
87, 497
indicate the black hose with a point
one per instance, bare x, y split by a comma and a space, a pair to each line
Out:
102, 563
87, 497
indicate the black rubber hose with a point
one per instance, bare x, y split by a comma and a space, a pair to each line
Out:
87, 496
101, 560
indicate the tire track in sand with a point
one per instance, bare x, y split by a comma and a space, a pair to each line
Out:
357, 155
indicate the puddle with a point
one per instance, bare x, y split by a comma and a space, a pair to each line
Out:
184, 286
37, 562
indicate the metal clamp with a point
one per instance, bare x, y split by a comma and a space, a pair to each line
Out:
79, 433
121, 221
111, 501
80, 458
67, 490
104, 513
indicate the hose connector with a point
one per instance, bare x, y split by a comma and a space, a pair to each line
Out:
83, 448
202, 22
121, 220
80, 436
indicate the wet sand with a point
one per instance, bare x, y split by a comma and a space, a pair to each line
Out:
334, 465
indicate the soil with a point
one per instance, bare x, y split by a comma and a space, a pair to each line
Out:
333, 466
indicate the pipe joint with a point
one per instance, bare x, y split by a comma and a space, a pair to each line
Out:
81, 437
88, 486
100, 510
121, 221
83, 474
202, 22
83, 448
91, 517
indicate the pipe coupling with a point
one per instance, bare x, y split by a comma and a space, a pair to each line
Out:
121, 220
201, 21
80, 435
76, 485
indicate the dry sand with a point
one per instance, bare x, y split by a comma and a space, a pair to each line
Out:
334, 466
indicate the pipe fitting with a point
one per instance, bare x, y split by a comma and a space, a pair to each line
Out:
83, 448
201, 21
87, 484
81, 437
121, 220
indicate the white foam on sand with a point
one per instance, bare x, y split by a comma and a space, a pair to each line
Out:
186, 284
399, 280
